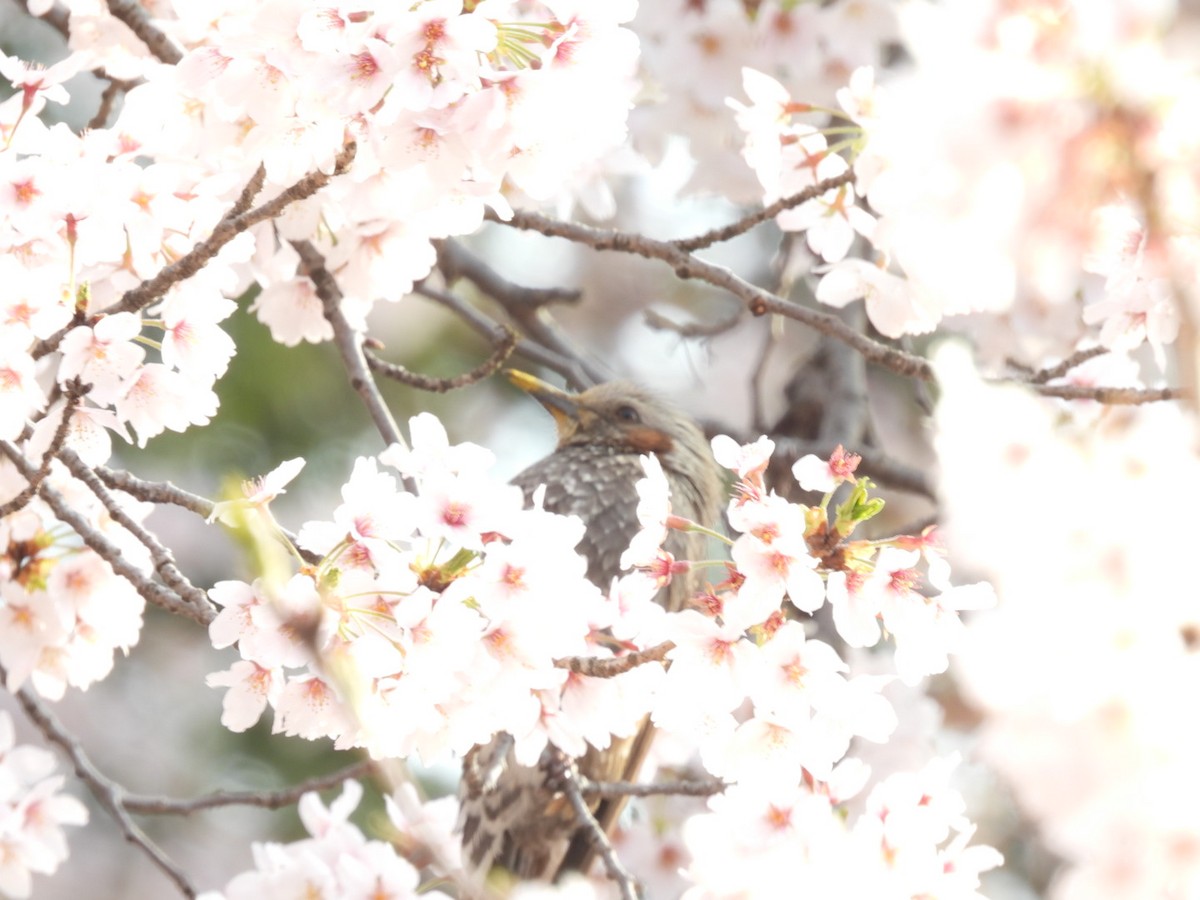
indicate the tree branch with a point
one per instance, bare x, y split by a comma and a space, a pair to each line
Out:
1058, 371
249, 192
455, 261
757, 300
608, 667
233, 224
163, 492
108, 99
155, 593
659, 322
348, 342
761, 302
227, 229
145, 805
139, 23
1115, 396
109, 794
152, 591
164, 562
605, 789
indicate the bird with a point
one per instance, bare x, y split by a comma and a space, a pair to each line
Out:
509, 815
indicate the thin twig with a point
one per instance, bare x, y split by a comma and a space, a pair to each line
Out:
659, 322
744, 224
145, 805
1075, 359
163, 492
503, 350
139, 23
155, 491
348, 342
565, 775
568, 368
606, 789
1114, 396
107, 792
608, 667
152, 591
163, 560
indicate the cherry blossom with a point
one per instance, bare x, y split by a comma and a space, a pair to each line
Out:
749, 462
894, 305
815, 474
33, 812
412, 608
653, 511
65, 611
251, 688
20, 394
337, 859
103, 355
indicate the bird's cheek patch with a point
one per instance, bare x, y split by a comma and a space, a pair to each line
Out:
649, 440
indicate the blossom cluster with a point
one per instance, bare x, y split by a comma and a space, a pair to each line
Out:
32, 813
910, 840
692, 58
336, 860
452, 111
64, 612
1040, 125
435, 617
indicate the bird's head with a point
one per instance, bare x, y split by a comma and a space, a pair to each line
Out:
619, 415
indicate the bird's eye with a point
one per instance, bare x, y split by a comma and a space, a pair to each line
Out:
628, 414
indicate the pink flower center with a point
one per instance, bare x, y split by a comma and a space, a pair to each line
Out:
364, 66
455, 514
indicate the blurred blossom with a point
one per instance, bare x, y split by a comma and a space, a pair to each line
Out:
336, 860
32, 813
1082, 728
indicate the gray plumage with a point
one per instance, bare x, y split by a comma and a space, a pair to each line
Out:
508, 816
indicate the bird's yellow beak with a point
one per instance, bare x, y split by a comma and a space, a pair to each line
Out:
562, 405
